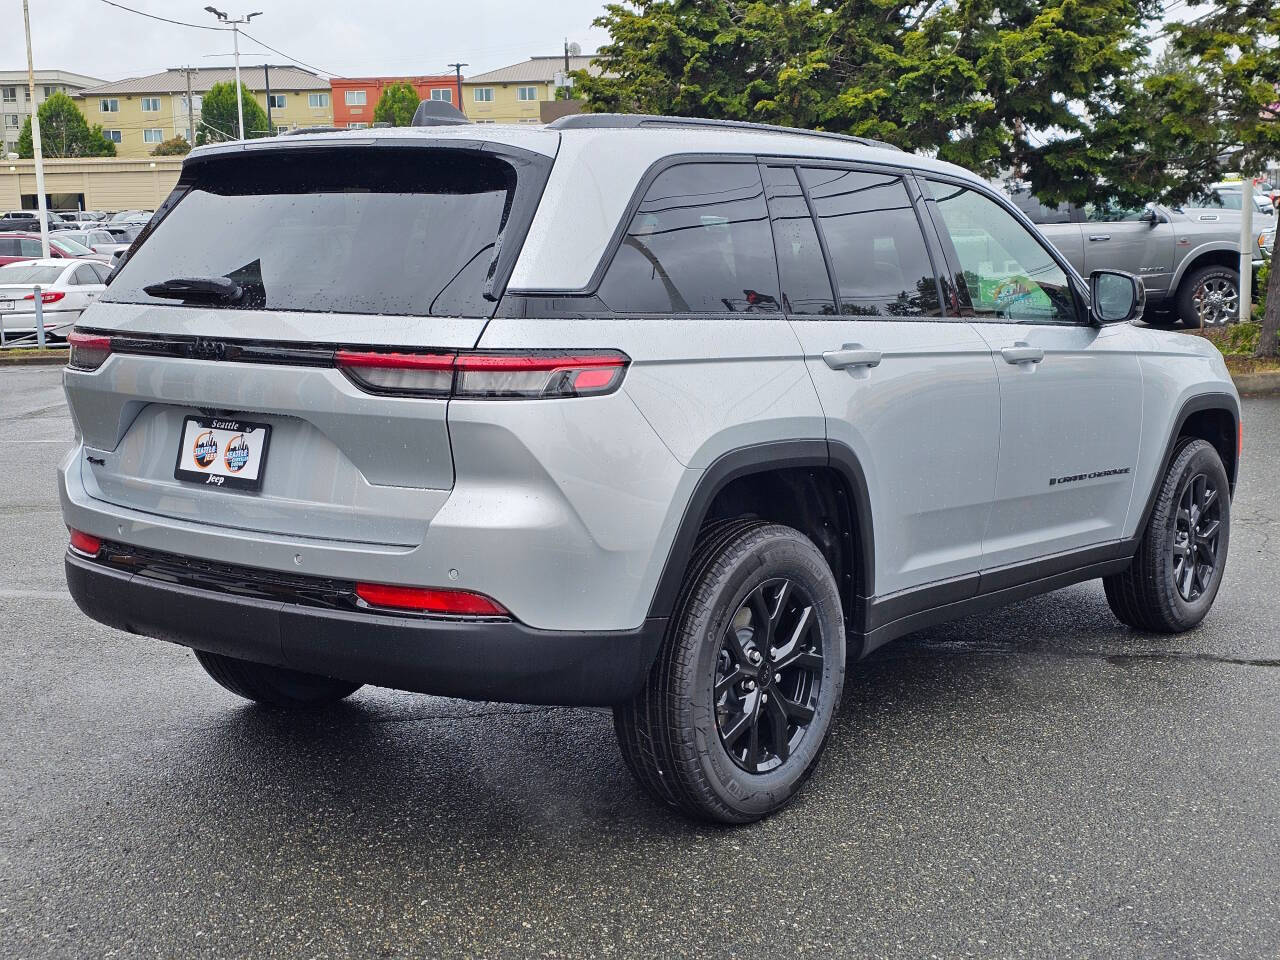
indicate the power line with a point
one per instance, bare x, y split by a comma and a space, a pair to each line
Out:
301, 63
143, 13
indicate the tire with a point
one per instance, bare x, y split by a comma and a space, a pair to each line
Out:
688, 736
273, 686
1159, 592
1217, 288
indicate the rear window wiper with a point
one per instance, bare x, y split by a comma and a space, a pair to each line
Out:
220, 289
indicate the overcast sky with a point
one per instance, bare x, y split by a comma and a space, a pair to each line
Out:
349, 38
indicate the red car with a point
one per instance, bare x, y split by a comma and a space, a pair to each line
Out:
26, 246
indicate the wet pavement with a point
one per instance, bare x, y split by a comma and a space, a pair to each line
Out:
1034, 782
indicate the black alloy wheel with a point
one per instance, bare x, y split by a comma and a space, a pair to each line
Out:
768, 676
1195, 542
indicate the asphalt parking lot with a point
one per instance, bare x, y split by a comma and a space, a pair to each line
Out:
1034, 782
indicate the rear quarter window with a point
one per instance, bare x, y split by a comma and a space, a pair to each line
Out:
700, 242
363, 230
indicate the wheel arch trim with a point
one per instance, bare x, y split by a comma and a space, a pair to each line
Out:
763, 458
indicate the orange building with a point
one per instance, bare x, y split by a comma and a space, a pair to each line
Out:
354, 98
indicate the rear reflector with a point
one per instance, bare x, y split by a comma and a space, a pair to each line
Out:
88, 351
527, 376
84, 544
457, 603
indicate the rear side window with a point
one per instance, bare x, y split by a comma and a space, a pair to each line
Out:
29, 247
700, 242
877, 251
9, 247
409, 232
806, 288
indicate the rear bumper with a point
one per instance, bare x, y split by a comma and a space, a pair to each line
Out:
499, 660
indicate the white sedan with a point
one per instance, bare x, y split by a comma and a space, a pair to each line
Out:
67, 287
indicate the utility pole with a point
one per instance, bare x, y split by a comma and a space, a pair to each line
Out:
266, 80
1247, 240
191, 111
235, 34
457, 72
566, 59
35, 139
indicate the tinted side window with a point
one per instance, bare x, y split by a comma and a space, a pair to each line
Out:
84, 276
878, 253
1008, 272
1038, 212
9, 247
806, 288
30, 248
699, 243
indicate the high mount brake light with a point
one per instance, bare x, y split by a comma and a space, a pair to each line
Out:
455, 603
521, 376
88, 351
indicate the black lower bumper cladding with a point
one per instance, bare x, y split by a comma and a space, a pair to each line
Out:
313, 625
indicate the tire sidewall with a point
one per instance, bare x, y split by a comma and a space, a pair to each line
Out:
1202, 459
749, 795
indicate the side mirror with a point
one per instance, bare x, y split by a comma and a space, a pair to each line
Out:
1115, 297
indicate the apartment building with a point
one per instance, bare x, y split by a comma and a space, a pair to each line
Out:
513, 94
140, 112
355, 98
15, 103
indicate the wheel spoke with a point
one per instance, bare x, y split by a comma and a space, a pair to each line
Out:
1210, 497
797, 713
1184, 517
1181, 549
761, 620
784, 594
801, 659
778, 729
803, 625
753, 742
1209, 531
1188, 578
734, 643
726, 684
740, 725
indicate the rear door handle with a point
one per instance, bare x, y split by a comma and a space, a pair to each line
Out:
851, 355
1101, 236
1022, 352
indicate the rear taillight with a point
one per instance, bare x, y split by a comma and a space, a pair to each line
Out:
415, 374
84, 544
89, 351
48, 296
526, 376
453, 603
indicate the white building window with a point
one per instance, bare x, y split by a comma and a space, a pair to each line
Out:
356, 98
317, 101
442, 93
356, 126
484, 94
526, 93
153, 135
49, 92
115, 136
197, 101
109, 106
10, 94
276, 101
150, 104
281, 130
11, 120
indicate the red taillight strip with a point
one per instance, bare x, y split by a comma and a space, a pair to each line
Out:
503, 363
395, 361
89, 341
458, 603
84, 544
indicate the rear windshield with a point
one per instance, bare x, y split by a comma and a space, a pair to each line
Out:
365, 230
21, 273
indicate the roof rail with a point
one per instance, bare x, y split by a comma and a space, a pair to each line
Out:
633, 121
298, 131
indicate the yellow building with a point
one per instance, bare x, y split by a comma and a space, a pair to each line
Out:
140, 112
90, 183
514, 94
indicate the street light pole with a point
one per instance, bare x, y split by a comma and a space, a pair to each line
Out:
35, 137
235, 34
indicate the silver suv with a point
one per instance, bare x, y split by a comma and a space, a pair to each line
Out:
675, 417
1188, 257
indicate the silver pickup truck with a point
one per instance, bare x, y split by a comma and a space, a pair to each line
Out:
1188, 258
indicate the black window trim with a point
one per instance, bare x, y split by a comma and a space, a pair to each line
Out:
1074, 279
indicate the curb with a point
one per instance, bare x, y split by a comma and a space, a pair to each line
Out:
53, 358
1257, 384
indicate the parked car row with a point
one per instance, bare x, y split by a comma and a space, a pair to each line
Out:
1188, 257
29, 220
67, 287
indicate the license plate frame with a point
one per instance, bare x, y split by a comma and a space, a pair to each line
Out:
221, 471
6, 306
